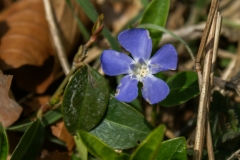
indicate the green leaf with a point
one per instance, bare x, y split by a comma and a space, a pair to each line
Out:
159, 28
3, 143
81, 26
183, 86
93, 15
30, 143
149, 148
81, 148
48, 118
123, 127
156, 13
99, 149
173, 149
85, 100
144, 3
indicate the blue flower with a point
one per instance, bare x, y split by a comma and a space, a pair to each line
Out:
141, 68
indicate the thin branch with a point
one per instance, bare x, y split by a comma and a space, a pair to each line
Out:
204, 95
55, 34
215, 48
226, 85
212, 11
235, 155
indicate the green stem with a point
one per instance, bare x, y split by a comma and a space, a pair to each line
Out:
56, 96
154, 114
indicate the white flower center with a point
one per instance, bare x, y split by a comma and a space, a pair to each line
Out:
140, 70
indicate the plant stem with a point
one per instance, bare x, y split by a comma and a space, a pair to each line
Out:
154, 115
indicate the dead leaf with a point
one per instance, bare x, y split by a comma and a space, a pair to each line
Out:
5, 3
24, 35
10, 110
26, 49
61, 133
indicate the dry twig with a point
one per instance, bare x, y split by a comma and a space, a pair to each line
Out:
215, 48
56, 37
204, 81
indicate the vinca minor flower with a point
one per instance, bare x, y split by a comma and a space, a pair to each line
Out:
141, 68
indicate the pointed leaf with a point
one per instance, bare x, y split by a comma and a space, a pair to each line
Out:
149, 148
123, 127
173, 149
85, 100
156, 13
183, 86
48, 118
4, 147
30, 144
80, 147
99, 149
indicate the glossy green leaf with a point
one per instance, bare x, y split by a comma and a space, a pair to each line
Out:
85, 100
183, 86
93, 15
4, 147
156, 13
149, 148
80, 146
173, 149
123, 127
99, 149
48, 118
31, 142
159, 28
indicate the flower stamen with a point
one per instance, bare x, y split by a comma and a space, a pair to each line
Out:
139, 70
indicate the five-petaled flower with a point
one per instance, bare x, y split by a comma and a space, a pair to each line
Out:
139, 69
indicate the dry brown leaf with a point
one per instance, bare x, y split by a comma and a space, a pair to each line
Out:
26, 44
61, 133
10, 110
5, 3
24, 35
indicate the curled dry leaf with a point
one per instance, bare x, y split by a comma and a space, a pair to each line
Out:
10, 110
24, 35
61, 133
26, 49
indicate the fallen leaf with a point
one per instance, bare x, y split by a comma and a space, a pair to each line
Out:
5, 4
24, 35
10, 110
61, 133
26, 50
